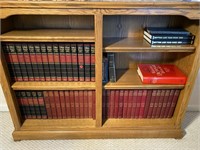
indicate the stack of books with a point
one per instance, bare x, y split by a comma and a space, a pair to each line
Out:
168, 36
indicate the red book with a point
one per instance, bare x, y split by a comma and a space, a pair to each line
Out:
142, 105
147, 103
85, 109
160, 103
47, 104
58, 104
104, 105
116, 104
36, 105
112, 103
155, 106
52, 104
72, 104
138, 103
169, 102
121, 102
134, 103
93, 105
151, 105
90, 103
108, 103
164, 104
25, 102
125, 105
41, 103
31, 104
173, 104
161, 74
81, 103
130, 97
77, 107
62, 103
67, 104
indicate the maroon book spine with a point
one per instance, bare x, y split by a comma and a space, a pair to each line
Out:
164, 104
58, 104
138, 103
57, 62
41, 103
87, 61
51, 61
112, 104
93, 105
47, 104
81, 102
62, 103
31, 104
86, 112
92, 64
173, 104
81, 68
21, 104
68, 58
134, 103
90, 103
104, 105
129, 109
63, 62
142, 105
169, 101
151, 105
121, 101
77, 103
160, 103
116, 103
72, 104
125, 105
74, 61
108, 103
67, 104
36, 105
25, 102
155, 106
147, 104
52, 104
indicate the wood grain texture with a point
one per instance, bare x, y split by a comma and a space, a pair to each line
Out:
53, 86
49, 35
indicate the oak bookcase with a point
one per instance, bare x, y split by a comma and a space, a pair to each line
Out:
114, 26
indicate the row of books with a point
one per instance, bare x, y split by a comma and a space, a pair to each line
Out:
50, 61
168, 36
56, 104
139, 103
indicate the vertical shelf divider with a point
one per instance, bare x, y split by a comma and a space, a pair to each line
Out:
98, 21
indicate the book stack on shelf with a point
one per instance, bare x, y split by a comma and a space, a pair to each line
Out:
50, 61
168, 36
56, 104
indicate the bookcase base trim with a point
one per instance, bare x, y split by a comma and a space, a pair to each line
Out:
97, 134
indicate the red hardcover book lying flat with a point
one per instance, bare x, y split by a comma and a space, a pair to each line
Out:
161, 74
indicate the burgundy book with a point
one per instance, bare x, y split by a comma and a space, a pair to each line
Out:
58, 104
74, 61
25, 102
156, 101
147, 104
164, 104
90, 103
173, 104
169, 102
112, 104
81, 67
134, 103
22, 105
151, 105
121, 102
72, 104
143, 102
93, 105
129, 109
52, 104
86, 103
31, 105
81, 103
160, 103
87, 61
67, 104
68, 58
47, 104
57, 62
77, 102
62, 103
41, 103
116, 103
63, 62
104, 105
92, 64
125, 105
108, 103
138, 103
36, 105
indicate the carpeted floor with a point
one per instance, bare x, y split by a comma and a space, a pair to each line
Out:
191, 141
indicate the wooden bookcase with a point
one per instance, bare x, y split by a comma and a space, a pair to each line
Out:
115, 27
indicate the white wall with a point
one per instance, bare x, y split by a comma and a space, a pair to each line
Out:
194, 103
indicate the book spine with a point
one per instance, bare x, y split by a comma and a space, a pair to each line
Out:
143, 102
72, 104
93, 105
147, 104
164, 32
41, 103
81, 67
26, 105
156, 101
121, 102
90, 103
129, 109
104, 105
62, 103
52, 104
51, 62
92, 64
57, 62
111, 66
138, 103
160, 103
108, 103
164, 104
169, 102
21, 105
86, 108
87, 61
105, 70
74, 61
68, 59
81, 103
134, 103
58, 104
63, 62
77, 104
31, 105
112, 103
48, 104
67, 104
125, 105
116, 103
151, 105
36, 104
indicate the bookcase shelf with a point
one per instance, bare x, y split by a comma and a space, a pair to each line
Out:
140, 45
49, 35
53, 86
129, 79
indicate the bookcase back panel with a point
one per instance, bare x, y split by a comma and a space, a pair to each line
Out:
132, 26
52, 22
